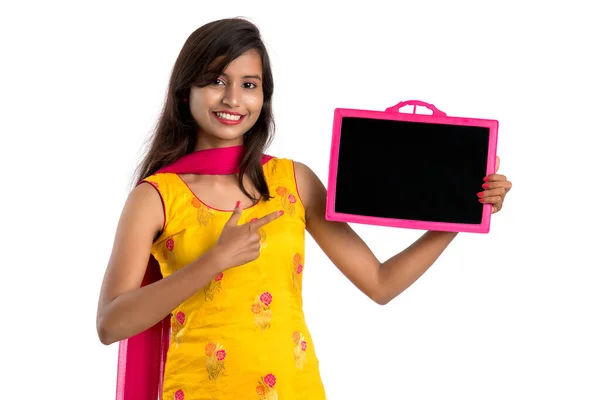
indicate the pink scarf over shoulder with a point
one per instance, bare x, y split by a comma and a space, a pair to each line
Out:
142, 357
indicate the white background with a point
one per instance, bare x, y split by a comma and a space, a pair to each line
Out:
509, 315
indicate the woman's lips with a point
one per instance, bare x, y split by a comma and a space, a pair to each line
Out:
228, 118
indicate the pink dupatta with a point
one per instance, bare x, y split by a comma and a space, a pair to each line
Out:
142, 357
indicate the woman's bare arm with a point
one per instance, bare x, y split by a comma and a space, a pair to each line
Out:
382, 282
125, 309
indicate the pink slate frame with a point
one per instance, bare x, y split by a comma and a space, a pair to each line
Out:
393, 113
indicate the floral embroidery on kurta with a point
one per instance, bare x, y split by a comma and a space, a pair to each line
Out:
215, 363
288, 199
204, 215
168, 253
179, 395
263, 236
178, 328
299, 348
262, 311
297, 269
266, 388
213, 287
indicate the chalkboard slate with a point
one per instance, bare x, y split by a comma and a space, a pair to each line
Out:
410, 170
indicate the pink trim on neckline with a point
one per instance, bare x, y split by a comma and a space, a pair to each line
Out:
205, 204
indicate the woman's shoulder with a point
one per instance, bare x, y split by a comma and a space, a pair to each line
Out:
299, 176
279, 163
166, 185
273, 162
159, 177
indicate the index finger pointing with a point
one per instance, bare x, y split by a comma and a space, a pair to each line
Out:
259, 223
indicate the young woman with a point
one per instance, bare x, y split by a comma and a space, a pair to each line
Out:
226, 225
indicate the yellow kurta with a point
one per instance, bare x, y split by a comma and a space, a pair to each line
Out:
243, 336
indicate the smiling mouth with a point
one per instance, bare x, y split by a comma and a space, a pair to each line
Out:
229, 117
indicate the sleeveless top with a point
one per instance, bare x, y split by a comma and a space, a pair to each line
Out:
244, 335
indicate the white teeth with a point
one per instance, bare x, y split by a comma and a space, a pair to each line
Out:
228, 116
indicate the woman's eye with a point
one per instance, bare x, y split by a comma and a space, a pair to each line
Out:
249, 85
218, 82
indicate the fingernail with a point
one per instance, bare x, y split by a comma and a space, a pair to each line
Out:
485, 179
281, 213
480, 194
237, 205
485, 186
481, 200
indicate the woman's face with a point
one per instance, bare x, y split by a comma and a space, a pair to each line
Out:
230, 106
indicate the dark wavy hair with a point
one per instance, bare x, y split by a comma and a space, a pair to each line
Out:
175, 134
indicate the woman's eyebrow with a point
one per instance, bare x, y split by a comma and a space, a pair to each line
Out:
245, 76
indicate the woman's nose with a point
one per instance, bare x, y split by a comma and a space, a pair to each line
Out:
231, 97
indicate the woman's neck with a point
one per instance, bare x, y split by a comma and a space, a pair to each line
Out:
205, 142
